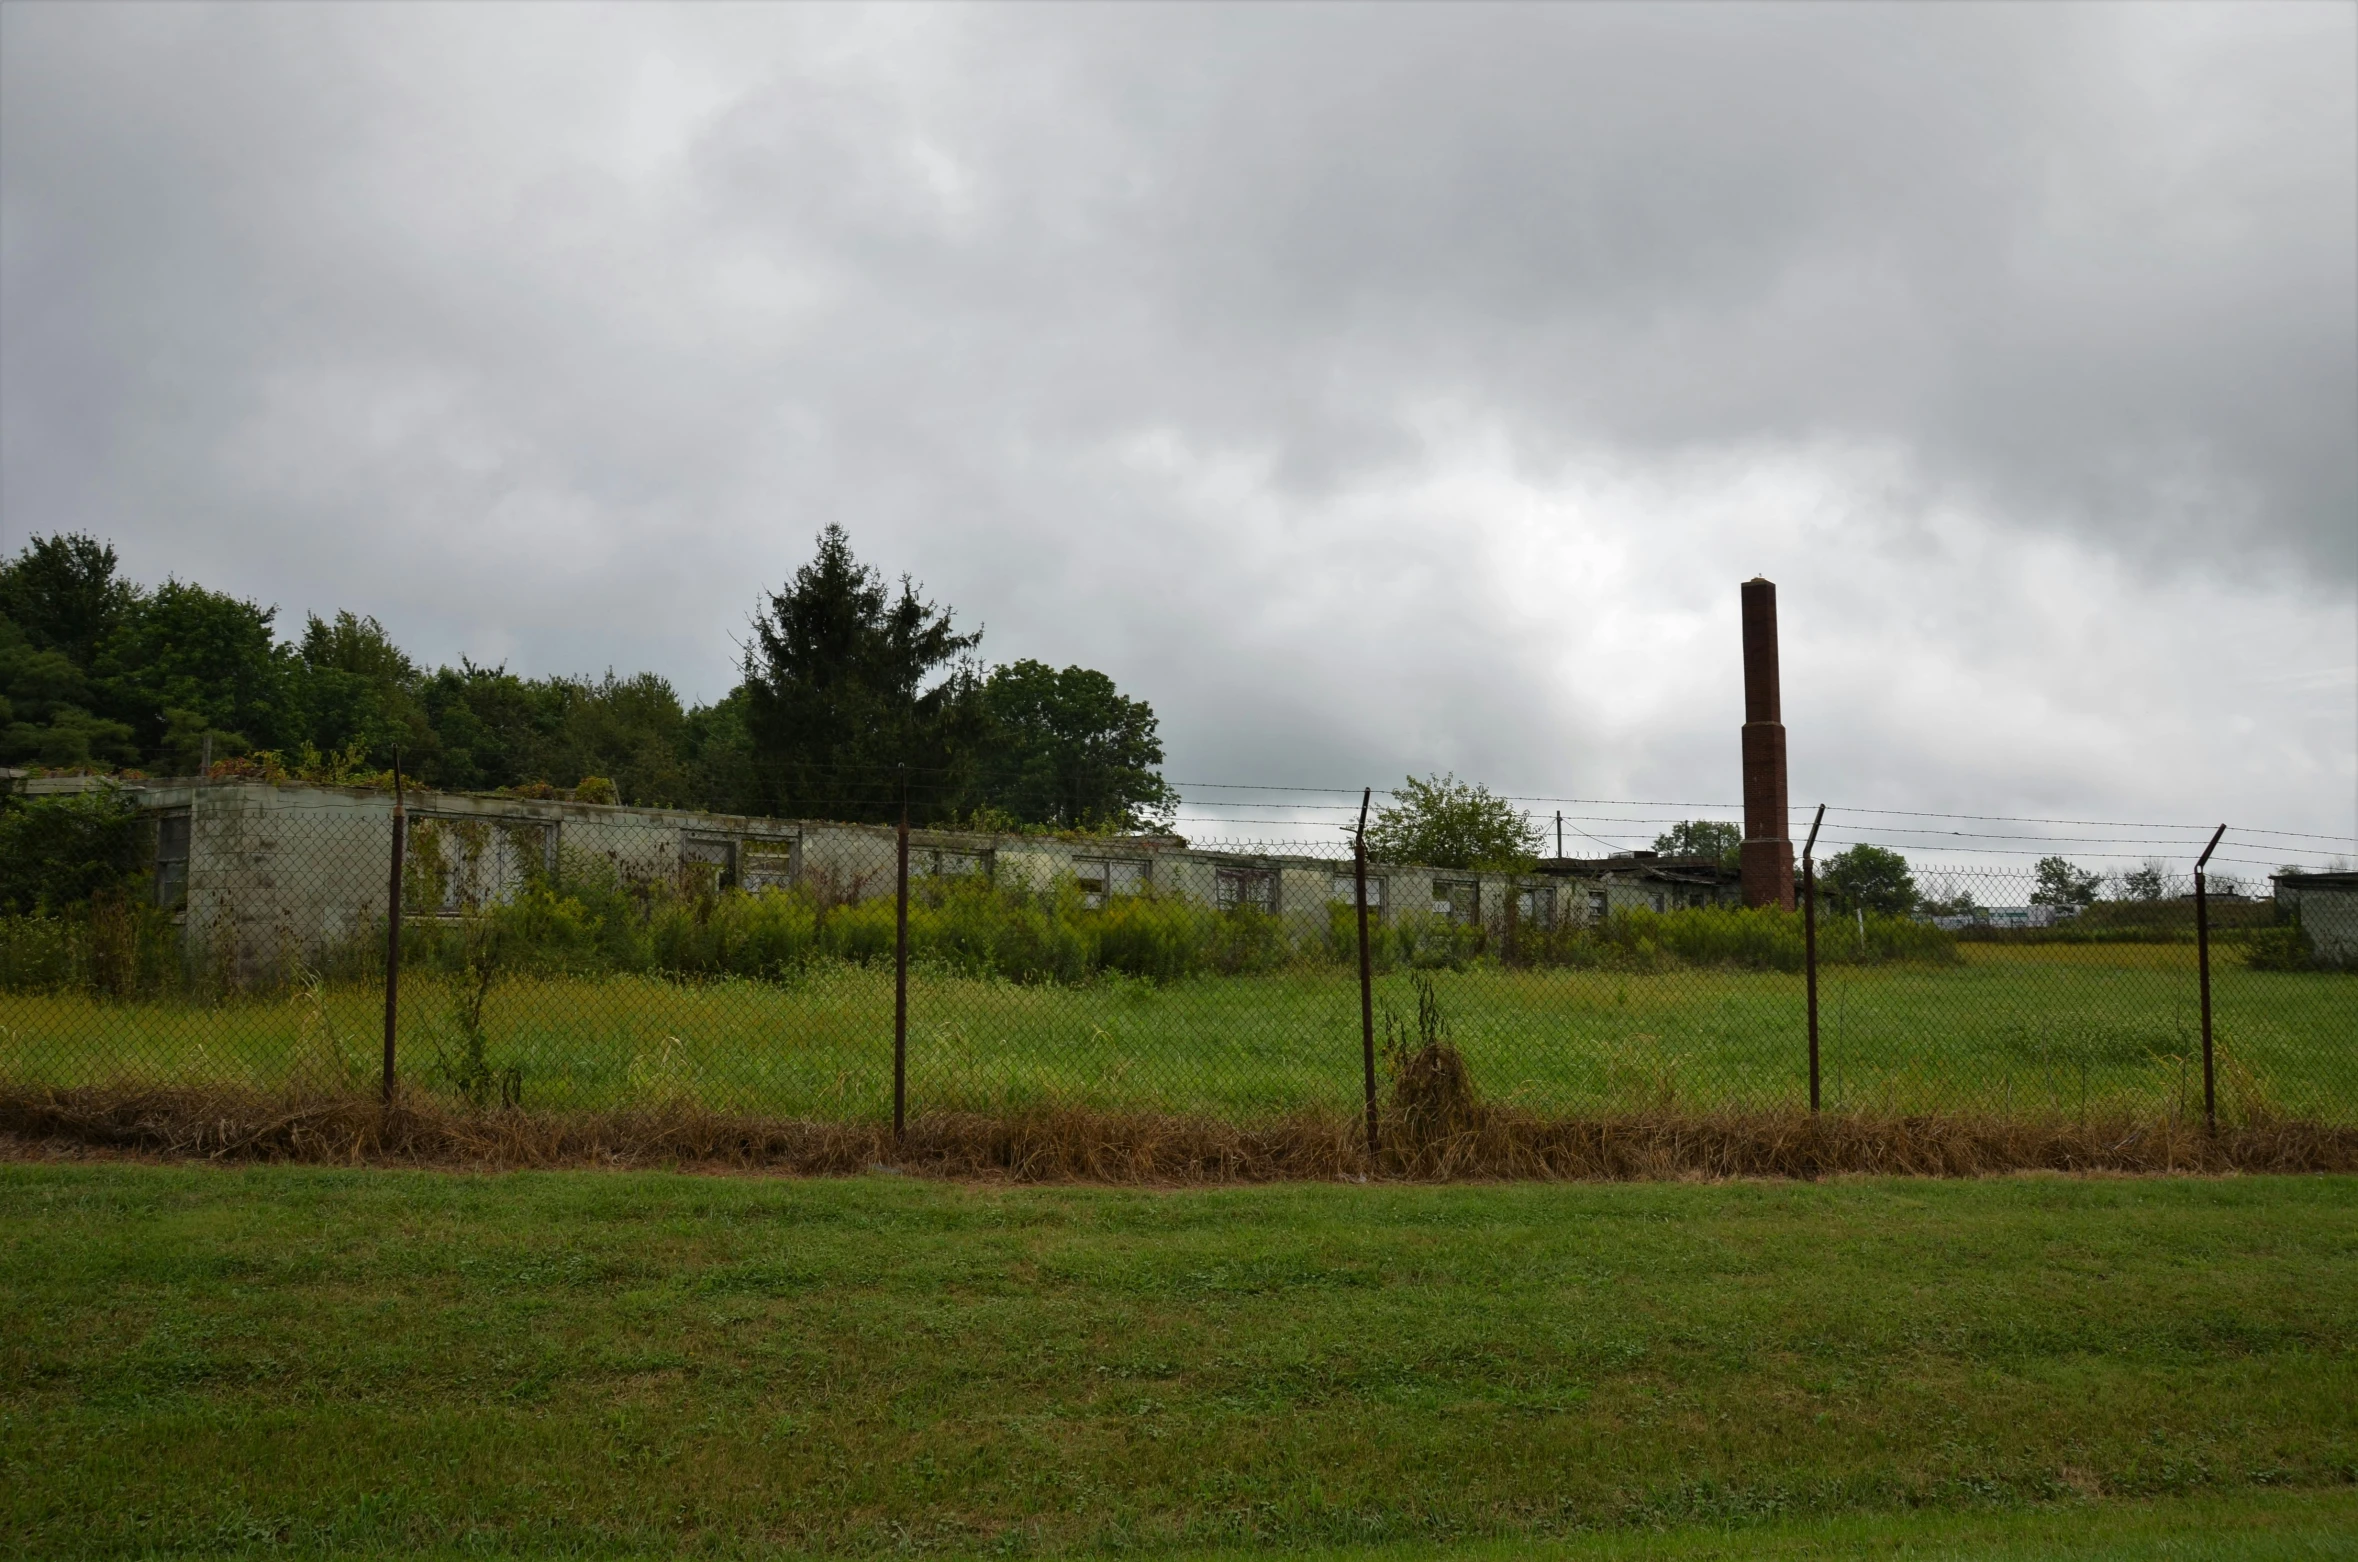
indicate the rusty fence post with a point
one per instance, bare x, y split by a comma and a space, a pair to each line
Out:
900, 976
393, 929
2202, 960
1366, 974
1809, 943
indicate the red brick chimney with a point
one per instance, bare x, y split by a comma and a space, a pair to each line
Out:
1768, 851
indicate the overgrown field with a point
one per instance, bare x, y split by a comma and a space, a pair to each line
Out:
304, 1360
2109, 1029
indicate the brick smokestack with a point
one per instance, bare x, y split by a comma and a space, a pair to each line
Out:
1768, 851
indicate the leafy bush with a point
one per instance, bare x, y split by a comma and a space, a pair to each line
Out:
2285, 948
74, 913
61, 851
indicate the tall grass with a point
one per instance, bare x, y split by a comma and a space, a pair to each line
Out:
109, 946
1743, 938
2092, 1031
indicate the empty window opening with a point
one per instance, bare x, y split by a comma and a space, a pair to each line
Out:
1101, 878
1246, 889
1345, 892
454, 864
1460, 900
765, 865
171, 876
707, 863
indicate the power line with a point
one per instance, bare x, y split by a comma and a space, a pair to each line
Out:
2108, 824
1727, 807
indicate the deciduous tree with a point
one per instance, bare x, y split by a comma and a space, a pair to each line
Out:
1721, 840
1869, 878
1443, 822
1066, 749
2062, 885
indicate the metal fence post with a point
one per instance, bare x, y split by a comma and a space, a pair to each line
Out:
1809, 943
1366, 972
900, 978
393, 929
2202, 960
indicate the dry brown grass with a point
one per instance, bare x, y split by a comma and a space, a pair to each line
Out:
1083, 1145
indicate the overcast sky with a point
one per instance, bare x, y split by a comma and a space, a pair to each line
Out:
1372, 390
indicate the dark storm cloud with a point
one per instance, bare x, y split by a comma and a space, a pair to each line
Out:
1197, 342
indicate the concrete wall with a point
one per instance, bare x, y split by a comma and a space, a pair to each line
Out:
2326, 905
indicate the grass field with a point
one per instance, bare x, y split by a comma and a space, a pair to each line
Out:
2019, 1029
597, 1363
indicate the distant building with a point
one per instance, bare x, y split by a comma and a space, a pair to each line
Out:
1643, 880
2326, 907
2005, 916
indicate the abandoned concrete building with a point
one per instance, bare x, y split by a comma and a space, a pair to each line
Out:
260, 873
2326, 907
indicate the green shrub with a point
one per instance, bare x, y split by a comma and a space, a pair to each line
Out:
2285, 948
1158, 940
61, 851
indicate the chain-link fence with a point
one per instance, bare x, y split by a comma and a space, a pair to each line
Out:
580, 957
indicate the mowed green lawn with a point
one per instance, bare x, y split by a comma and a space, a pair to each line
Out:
289, 1359
2056, 1029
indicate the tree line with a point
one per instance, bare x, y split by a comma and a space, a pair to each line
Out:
855, 694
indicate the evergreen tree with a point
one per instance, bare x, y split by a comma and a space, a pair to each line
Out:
853, 689
59, 602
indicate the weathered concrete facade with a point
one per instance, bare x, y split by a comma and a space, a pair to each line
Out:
266, 875
2326, 906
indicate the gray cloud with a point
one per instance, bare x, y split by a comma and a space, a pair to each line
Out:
1273, 359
